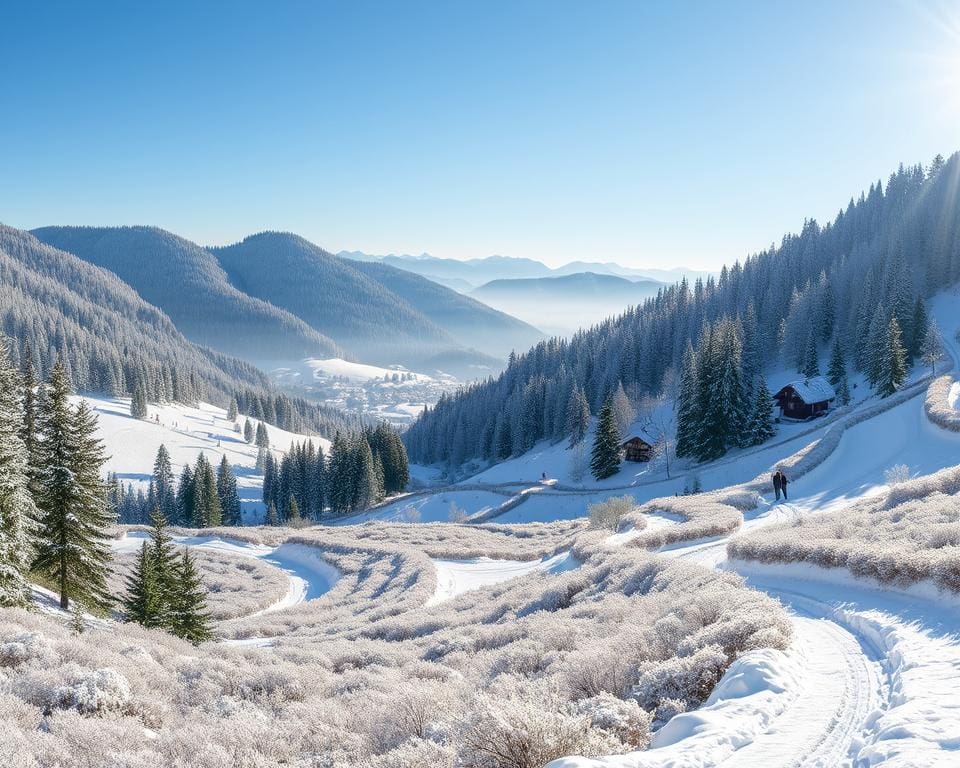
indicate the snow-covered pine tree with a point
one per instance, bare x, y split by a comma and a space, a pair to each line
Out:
206, 503
843, 391
293, 511
73, 547
227, 493
893, 364
761, 416
876, 346
143, 603
263, 436
605, 456
163, 562
185, 496
686, 406
578, 416
623, 411
365, 490
138, 401
164, 485
811, 363
919, 325
931, 349
189, 618
837, 370
248, 431
272, 518
232, 409
17, 510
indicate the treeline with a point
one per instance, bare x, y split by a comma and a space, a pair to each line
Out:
55, 512
301, 486
841, 283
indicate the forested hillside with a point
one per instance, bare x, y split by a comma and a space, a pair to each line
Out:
376, 312
188, 284
53, 304
834, 286
469, 321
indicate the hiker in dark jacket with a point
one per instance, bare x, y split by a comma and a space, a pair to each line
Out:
777, 485
783, 485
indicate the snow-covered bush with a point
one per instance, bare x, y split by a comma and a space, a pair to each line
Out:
102, 690
897, 474
457, 513
937, 403
608, 513
907, 535
373, 675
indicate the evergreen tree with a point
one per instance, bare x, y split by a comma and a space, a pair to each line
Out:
263, 436
605, 456
163, 562
232, 410
17, 510
623, 412
227, 493
138, 402
578, 416
272, 517
248, 431
919, 326
893, 364
843, 392
164, 485
73, 547
206, 503
837, 371
811, 363
185, 496
365, 490
761, 418
189, 618
293, 511
143, 603
686, 406
931, 349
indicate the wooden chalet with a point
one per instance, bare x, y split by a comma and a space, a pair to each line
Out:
805, 398
638, 446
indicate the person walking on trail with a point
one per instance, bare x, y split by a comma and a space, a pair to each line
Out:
777, 485
783, 485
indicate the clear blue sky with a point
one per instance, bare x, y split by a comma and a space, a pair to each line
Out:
653, 134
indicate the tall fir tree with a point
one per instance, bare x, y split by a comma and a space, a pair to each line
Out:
811, 362
164, 485
931, 350
761, 418
189, 617
605, 456
73, 546
232, 409
837, 370
138, 402
686, 406
248, 431
17, 510
143, 603
185, 496
578, 417
893, 364
227, 493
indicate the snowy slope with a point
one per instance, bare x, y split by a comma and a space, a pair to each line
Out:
186, 431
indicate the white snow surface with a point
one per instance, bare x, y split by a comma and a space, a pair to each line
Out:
454, 577
186, 431
334, 366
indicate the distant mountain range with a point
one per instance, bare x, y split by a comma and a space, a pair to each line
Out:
469, 274
275, 298
563, 304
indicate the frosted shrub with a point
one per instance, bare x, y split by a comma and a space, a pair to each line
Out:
101, 690
607, 514
31, 646
623, 719
416, 753
688, 679
457, 513
897, 474
937, 404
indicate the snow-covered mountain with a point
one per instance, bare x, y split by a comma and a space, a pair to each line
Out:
469, 274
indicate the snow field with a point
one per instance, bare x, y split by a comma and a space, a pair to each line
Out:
186, 431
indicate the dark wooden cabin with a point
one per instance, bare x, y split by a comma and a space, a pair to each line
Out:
637, 448
805, 399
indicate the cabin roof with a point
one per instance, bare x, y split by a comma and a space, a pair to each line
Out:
637, 434
815, 389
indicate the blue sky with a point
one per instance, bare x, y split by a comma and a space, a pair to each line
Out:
653, 134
